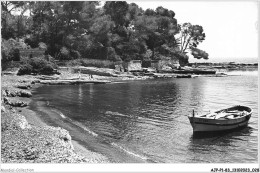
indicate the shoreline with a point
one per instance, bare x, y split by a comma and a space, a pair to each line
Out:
82, 136
23, 121
37, 119
17, 90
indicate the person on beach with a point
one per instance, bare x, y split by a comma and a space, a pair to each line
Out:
79, 75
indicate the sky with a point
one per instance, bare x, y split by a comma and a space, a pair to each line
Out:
230, 26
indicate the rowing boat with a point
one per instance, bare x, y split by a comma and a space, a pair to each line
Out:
225, 119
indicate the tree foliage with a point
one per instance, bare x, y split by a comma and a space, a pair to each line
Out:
197, 53
158, 28
117, 31
189, 39
38, 65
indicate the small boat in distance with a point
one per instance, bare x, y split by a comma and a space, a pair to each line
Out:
222, 120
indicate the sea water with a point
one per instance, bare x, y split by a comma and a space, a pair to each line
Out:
146, 121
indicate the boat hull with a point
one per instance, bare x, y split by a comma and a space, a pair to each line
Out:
212, 125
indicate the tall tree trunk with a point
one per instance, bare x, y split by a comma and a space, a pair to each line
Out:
188, 41
184, 42
18, 26
153, 53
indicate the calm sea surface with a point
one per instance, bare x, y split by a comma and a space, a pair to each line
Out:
145, 121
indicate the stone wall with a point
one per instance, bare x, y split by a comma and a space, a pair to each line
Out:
164, 63
134, 65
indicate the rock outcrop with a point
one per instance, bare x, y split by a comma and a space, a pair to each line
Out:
14, 102
24, 86
16, 93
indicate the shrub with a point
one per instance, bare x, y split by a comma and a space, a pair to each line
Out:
38, 65
111, 55
16, 54
10, 49
20, 44
50, 59
5, 50
73, 63
32, 41
42, 66
42, 46
47, 69
64, 53
75, 54
24, 60
148, 54
10, 65
117, 59
127, 58
25, 69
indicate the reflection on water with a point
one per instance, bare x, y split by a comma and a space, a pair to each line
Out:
241, 131
80, 96
222, 145
148, 118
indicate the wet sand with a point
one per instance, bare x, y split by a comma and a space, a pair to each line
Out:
82, 139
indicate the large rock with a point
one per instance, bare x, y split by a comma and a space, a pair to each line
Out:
25, 93
17, 93
61, 134
24, 86
22, 123
14, 102
3, 109
13, 121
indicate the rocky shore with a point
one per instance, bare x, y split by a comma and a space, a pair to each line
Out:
26, 138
